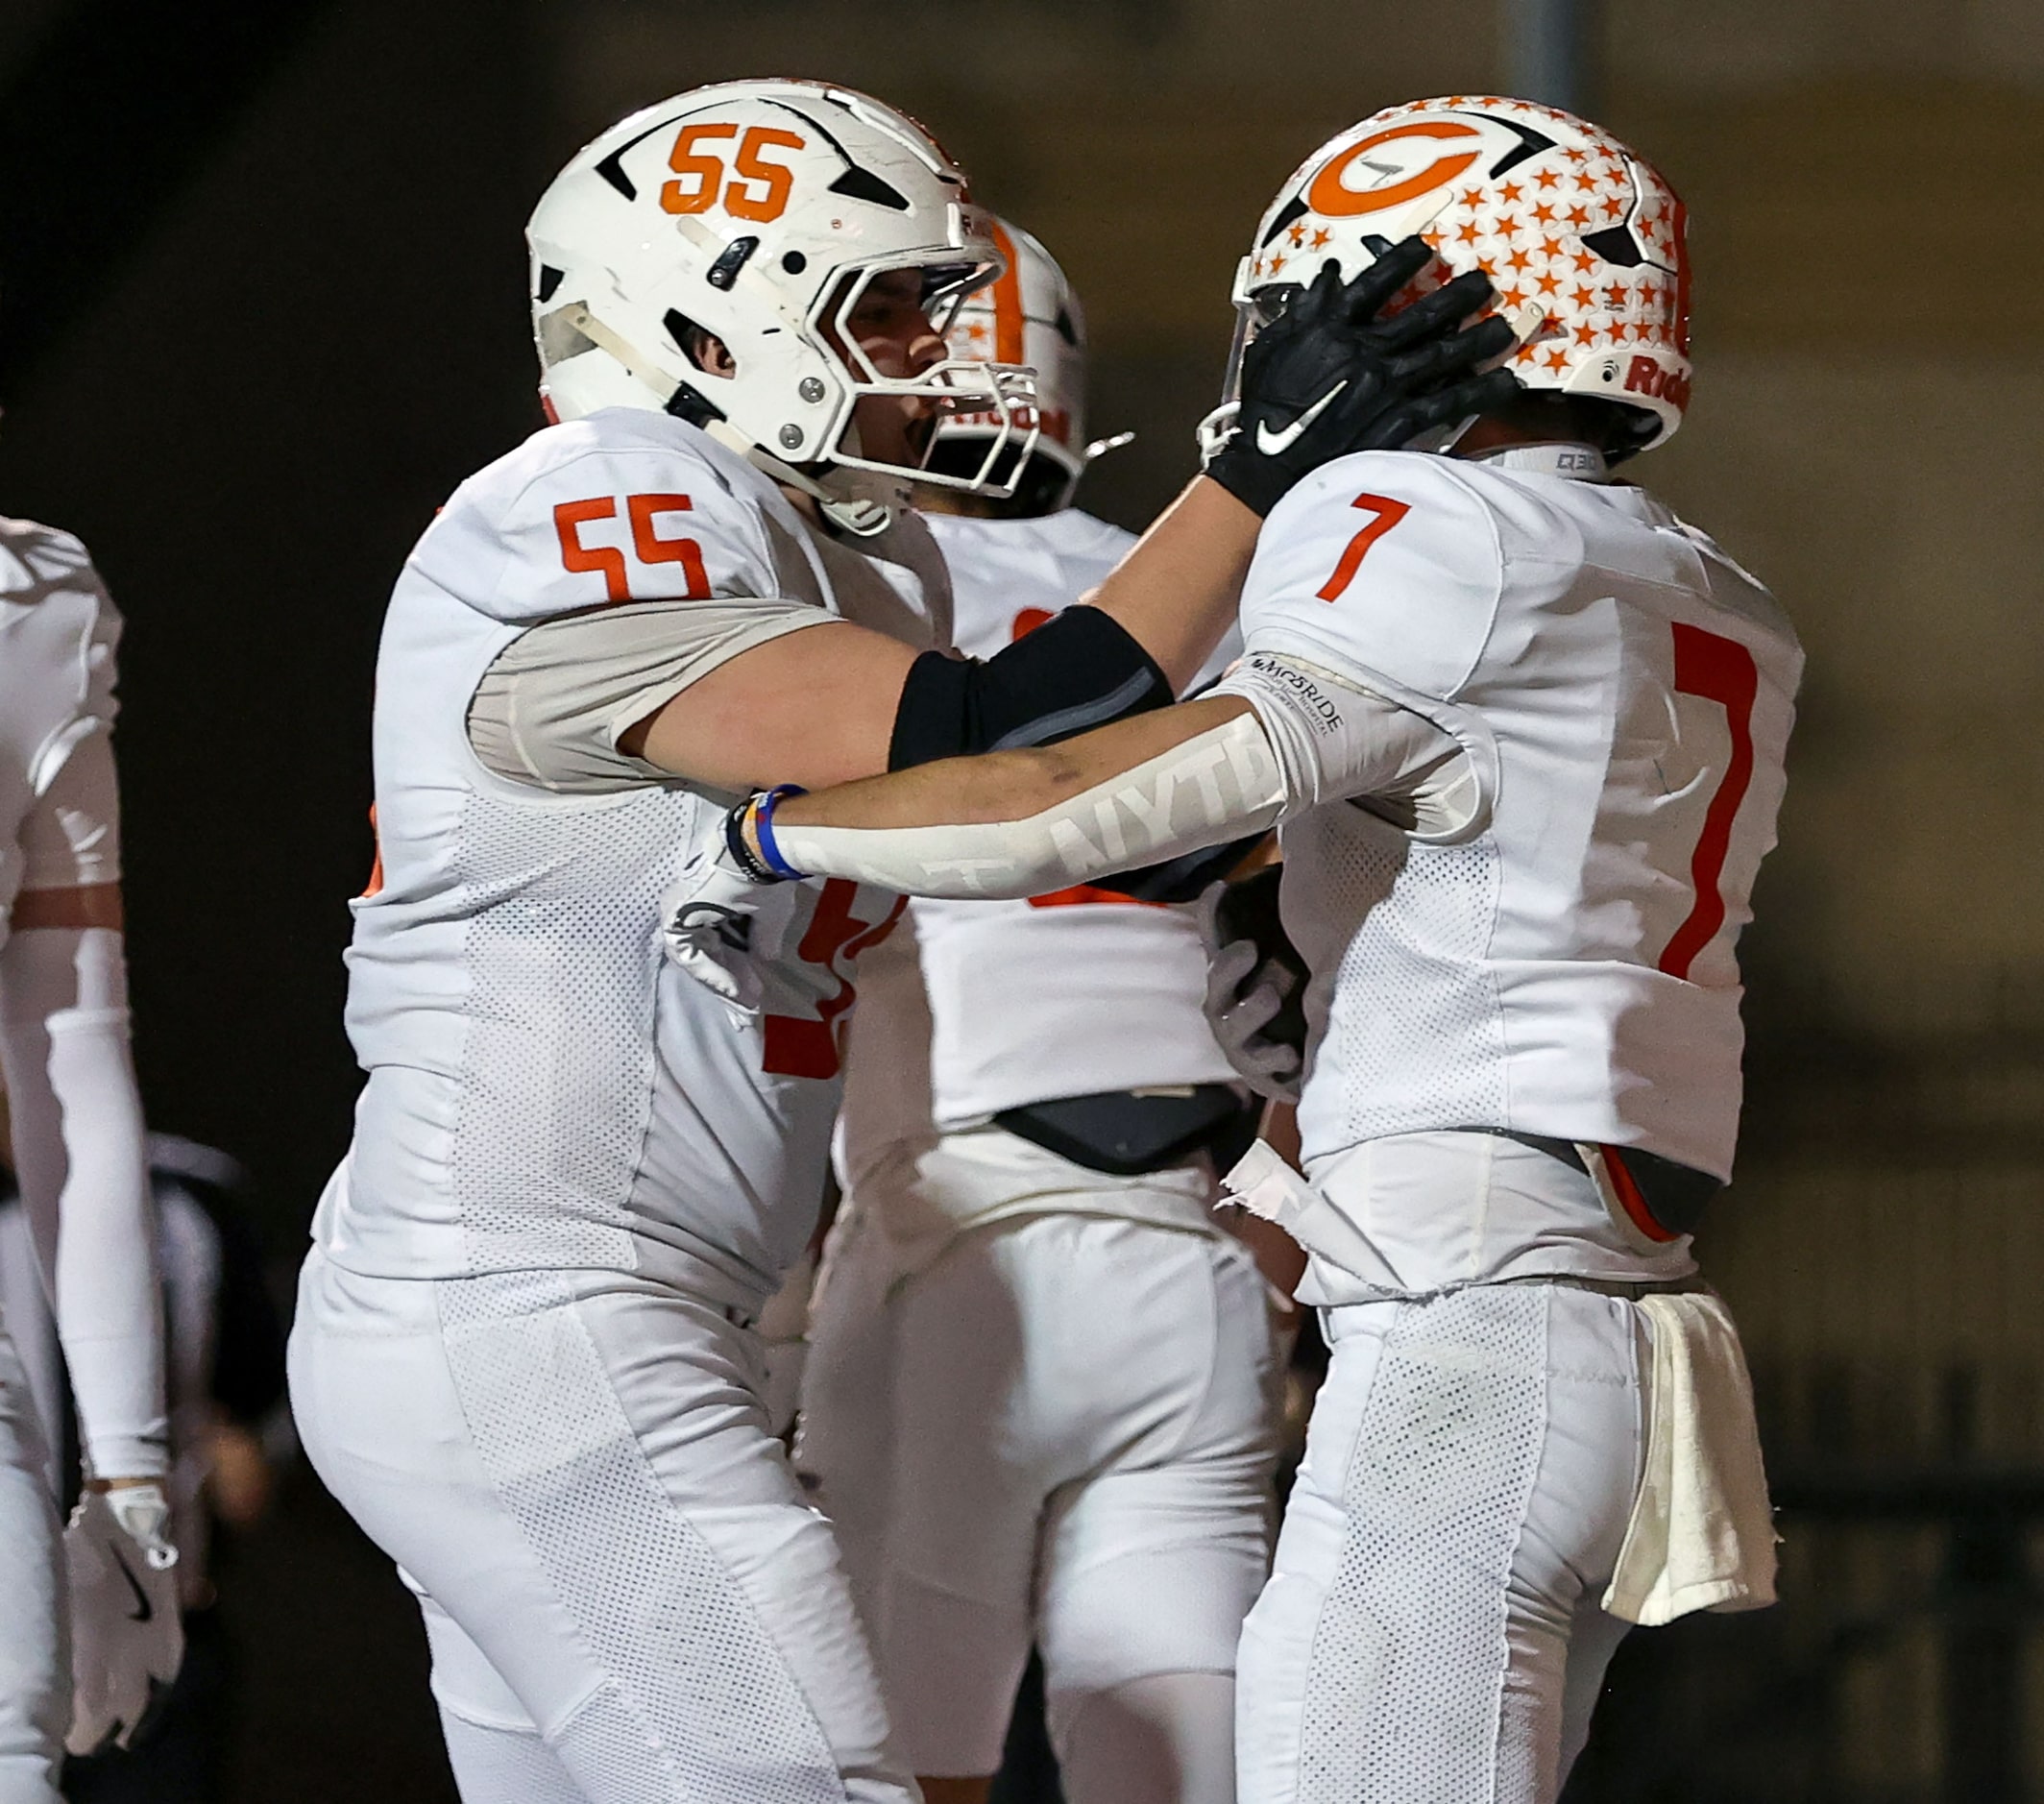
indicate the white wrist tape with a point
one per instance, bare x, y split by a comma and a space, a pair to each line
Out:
1222, 785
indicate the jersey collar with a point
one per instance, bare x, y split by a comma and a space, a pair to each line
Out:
1577, 463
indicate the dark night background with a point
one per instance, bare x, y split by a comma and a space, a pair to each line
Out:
262, 306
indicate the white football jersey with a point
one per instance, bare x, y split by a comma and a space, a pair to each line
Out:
1566, 968
979, 1007
545, 1089
58, 635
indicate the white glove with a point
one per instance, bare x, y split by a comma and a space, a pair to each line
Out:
1247, 989
127, 1637
722, 925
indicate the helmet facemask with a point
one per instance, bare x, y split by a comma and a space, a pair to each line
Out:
1001, 394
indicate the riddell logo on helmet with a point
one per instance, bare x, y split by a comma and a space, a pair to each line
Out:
1646, 376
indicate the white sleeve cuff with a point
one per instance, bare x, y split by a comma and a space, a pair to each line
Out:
551, 708
1335, 740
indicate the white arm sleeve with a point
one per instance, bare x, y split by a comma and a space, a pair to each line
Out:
1311, 739
1220, 785
551, 708
77, 1147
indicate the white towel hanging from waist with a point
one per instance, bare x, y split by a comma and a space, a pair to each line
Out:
1701, 1536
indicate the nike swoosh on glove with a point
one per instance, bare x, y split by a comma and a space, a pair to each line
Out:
722, 925
1255, 986
126, 1635
1328, 376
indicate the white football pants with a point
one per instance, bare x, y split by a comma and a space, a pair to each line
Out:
1433, 1633
627, 1598
1061, 1431
35, 1644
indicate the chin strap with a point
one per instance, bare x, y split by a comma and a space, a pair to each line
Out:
1579, 463
864, 516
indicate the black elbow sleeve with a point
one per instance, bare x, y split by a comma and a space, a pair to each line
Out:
1073, 673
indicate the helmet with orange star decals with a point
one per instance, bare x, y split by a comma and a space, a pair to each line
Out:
1027, 315
1583, 239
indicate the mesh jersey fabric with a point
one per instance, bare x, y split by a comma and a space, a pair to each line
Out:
569, 1469
1626, 690
572, 1470
1436, 1493
544, 1089
1431, 1632
957, 1021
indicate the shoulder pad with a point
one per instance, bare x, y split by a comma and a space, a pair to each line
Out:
58, 633
37, 560
622, 506
1384, 562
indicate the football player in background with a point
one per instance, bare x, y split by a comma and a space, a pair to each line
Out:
224, 1359
525, 1356
89, 1631
1525, 730
1039, 1398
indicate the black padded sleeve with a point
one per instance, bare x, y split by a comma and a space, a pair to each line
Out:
1073, 673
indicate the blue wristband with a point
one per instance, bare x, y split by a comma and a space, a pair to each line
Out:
763, 807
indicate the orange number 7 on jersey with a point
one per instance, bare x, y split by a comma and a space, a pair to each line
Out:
1722, 670
640, 509
1387, 514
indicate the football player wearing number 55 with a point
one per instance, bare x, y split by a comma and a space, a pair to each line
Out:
524, 1357
1525, 731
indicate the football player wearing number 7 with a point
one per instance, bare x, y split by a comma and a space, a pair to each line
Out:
1525, 732
524, 1356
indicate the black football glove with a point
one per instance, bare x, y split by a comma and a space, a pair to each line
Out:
1328, 378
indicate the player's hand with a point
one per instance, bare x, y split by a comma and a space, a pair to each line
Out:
722, 922
1328, 376
127, 1637
1256, 985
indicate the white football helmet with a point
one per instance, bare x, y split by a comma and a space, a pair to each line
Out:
759, 212
1583, 240
1027, 314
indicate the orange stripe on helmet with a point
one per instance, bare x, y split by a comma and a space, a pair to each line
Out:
1327, 196
1006, 300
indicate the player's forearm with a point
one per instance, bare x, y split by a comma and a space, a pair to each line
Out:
79, 1150
1176, 591
1015, 825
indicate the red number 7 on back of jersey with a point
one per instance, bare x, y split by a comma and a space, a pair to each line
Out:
1721, 671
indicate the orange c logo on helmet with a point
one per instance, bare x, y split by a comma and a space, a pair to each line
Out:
1327, 196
